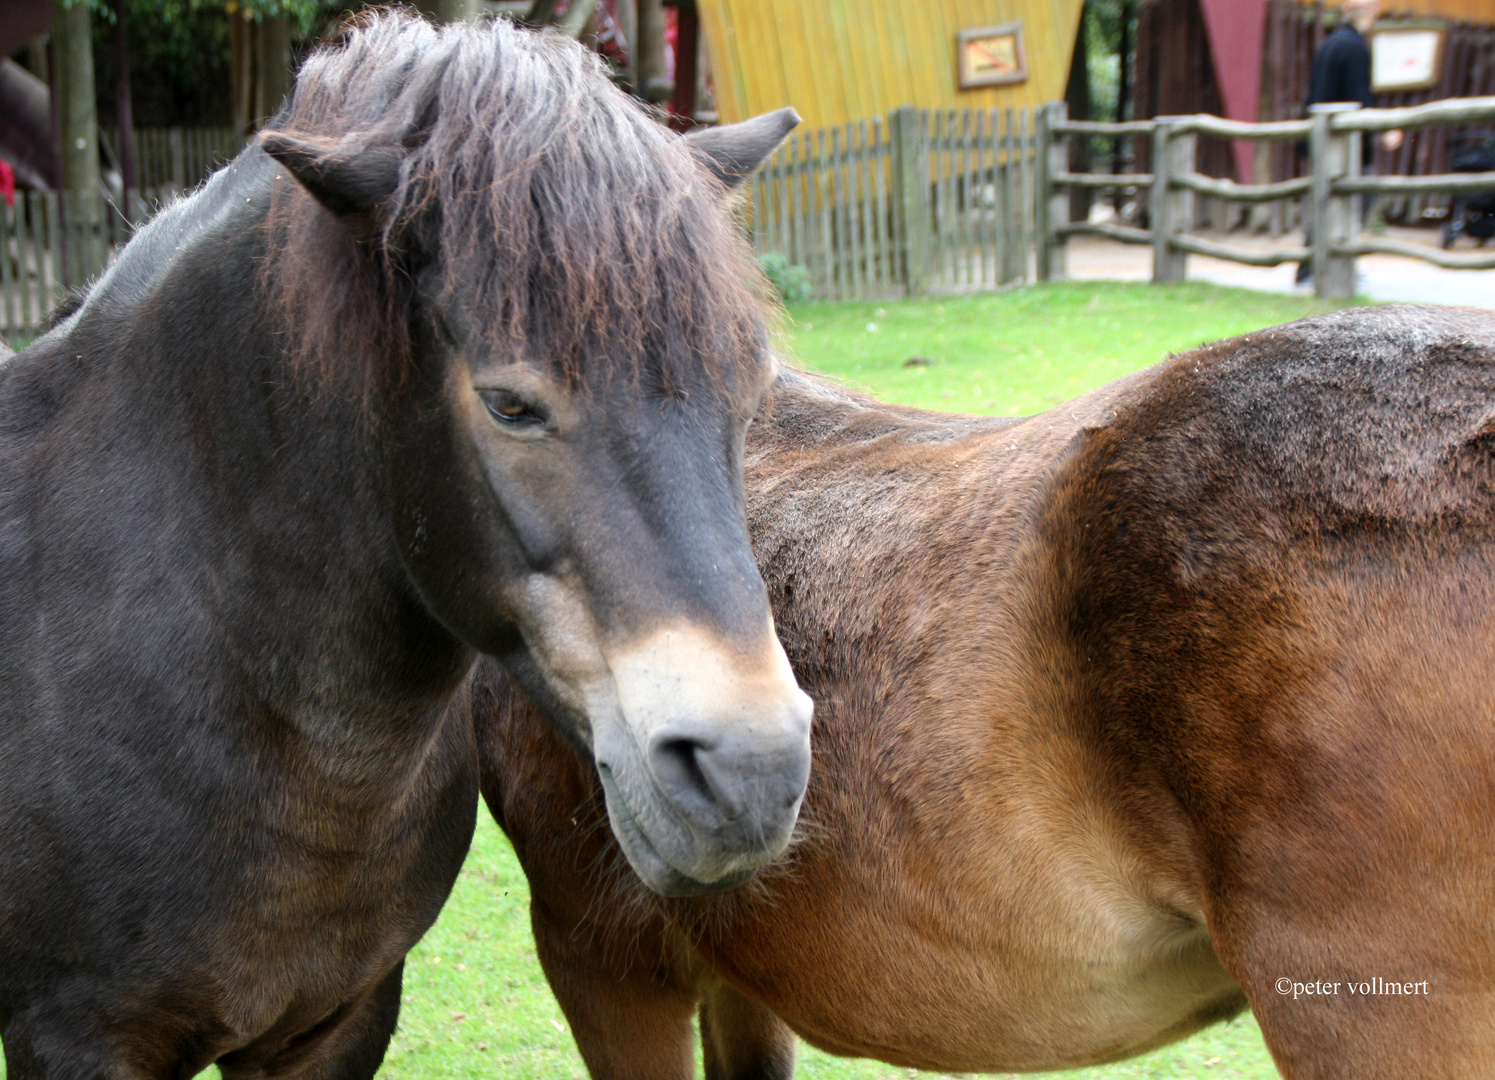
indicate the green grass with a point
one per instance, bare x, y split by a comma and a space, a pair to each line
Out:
1027, 350
476, 1004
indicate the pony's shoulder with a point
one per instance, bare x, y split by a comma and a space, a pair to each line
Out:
34, 383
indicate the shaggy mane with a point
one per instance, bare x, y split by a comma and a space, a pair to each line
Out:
572, 229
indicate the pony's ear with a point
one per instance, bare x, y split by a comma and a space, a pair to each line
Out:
733, 151
348, 176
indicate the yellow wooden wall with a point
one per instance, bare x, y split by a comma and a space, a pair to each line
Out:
1472, 10
842, 60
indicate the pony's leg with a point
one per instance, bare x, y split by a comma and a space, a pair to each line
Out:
629, 1007
349, 1045
1322, 1029
742, 1040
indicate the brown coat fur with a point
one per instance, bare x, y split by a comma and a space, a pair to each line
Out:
1126, 711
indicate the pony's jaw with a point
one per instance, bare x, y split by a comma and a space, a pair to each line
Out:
651, 867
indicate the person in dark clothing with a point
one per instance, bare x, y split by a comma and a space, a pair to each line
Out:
1341, 67
1341, 72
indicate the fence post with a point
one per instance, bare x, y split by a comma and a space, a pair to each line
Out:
1171, 208
1051, 154
177, 156
1333, 214
911, 196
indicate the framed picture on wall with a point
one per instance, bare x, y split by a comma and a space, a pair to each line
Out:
991, 55
1406, 56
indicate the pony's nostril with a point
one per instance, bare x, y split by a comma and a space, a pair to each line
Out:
682, 766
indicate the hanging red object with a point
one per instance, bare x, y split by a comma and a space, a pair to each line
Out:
1237, 30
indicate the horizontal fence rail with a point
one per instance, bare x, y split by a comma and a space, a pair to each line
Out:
1333, 191
918, 201
1452, 111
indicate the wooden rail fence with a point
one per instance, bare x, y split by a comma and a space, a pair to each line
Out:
916, 202
1333, 191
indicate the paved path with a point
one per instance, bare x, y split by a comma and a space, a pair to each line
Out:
1382, 277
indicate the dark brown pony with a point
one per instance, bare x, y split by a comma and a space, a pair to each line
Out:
458, 358
1171, 701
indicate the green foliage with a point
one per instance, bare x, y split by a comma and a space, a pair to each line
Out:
1103, 22
1102, 28
179, 64
305, 11
790, 280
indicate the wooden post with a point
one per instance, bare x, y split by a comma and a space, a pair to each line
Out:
687, 47
628, 24
652, 81
1171, 208
911, 196
72, 38
241, 37
542, 14
446, 11
1333, 219
272, 65
1007, 175
1051, 156
124, 115
177, 155
577, 19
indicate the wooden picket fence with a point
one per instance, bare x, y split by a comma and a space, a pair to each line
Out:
45, 252
918, 201
178, 157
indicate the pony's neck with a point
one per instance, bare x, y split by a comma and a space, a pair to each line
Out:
270, 492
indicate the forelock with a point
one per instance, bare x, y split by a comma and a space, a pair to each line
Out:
572, 227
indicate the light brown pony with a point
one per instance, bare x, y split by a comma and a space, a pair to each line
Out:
1172, 700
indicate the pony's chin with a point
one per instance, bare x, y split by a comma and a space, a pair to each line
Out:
657, 873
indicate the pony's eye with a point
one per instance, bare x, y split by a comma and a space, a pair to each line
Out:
508, 407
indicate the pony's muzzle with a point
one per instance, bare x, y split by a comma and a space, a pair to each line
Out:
743, 785
705, 777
